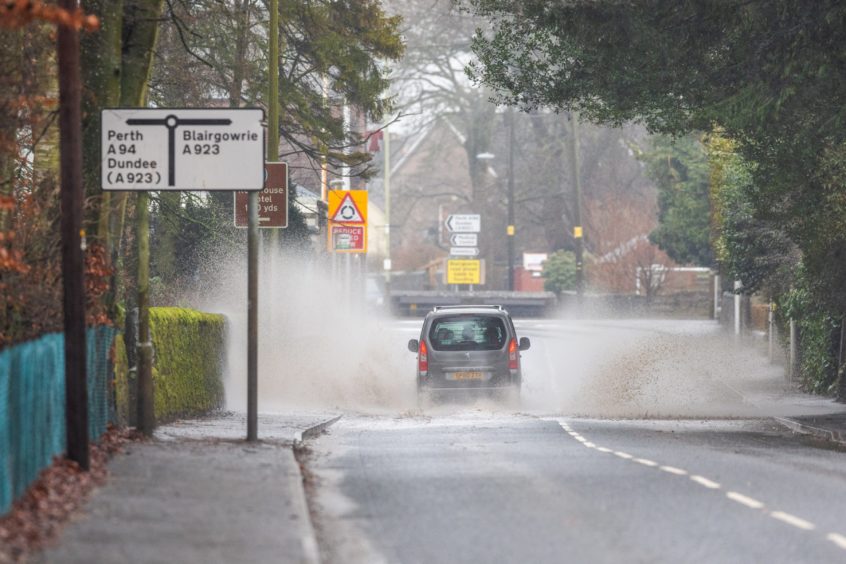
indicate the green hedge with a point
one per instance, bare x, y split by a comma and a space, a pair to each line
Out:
188, 362
188, 358
819, 338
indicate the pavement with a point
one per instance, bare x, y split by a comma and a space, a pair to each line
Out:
197, 493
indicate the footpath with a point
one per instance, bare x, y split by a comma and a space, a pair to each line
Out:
197, 493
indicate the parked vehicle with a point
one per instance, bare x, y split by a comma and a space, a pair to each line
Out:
468, 348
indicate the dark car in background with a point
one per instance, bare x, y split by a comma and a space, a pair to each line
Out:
470, 349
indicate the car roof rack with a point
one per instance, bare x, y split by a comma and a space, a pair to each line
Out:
470, 306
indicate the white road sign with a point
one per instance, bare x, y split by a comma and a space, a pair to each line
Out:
179, 149
464, 239
464, 223
464, 251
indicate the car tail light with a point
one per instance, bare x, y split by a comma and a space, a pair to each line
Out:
513, 355
423, 358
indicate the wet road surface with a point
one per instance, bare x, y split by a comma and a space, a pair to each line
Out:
635, 442
489, 487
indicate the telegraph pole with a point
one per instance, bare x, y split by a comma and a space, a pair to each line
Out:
73, 274
578, 232
386, 137
510, 230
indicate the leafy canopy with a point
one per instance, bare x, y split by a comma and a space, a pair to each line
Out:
768, 73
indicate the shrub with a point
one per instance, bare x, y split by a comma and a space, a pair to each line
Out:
188, 360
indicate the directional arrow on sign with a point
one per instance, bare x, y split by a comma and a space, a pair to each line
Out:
464, 251
464, 239
464, 223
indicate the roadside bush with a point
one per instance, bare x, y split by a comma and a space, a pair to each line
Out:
188, 354
819, 334
559, 272
187, 365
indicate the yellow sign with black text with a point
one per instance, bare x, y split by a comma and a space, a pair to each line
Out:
464, 271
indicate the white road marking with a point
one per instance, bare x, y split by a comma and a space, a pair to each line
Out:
645, 462
703, 481
837, 539
793, 520
743, 500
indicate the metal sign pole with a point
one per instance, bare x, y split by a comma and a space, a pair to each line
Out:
252, 320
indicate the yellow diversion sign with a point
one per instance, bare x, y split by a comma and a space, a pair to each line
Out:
464, 271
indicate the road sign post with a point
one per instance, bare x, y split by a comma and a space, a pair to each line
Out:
182, 149
464, 240
464, 223
272, 200
465, 271
464, 251
347, 231
178, 149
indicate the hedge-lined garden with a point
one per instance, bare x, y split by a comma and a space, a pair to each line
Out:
188, 362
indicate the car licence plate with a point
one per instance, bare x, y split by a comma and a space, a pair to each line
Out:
470, 375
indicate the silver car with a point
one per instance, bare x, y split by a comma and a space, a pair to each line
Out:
473, 348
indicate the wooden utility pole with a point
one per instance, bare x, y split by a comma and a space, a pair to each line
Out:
578, 232
510, 230
73, 273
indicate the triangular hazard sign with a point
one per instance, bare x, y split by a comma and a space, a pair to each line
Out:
348, 211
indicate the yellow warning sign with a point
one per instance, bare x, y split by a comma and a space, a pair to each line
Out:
464, 272
347, 206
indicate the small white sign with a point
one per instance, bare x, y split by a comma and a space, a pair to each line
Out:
534, 261
181, 149
464, 223
464, 251
464, 239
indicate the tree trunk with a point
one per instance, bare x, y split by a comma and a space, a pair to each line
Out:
101, 73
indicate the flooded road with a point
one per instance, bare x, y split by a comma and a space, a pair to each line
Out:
646, 441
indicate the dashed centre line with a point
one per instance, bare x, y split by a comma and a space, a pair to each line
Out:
793, 520
703, 481
836, 538
646, 462
744, 500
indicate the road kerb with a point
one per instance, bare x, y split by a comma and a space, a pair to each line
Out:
805, 429
311, 552
314, 430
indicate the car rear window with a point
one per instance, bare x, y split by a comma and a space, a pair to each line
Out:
467, 333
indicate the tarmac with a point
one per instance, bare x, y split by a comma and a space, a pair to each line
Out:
198, 493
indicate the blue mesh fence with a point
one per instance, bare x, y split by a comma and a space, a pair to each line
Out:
32, 405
